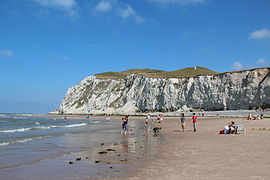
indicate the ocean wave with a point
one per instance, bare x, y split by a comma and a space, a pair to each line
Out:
22, 140
95, 122
41, 127
15, 130
76, 125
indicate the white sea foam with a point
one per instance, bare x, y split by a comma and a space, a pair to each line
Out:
95, 122
76, 125
4, 144
22, 140
15, 130
41, 127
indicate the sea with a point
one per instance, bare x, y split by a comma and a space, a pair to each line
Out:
40, 146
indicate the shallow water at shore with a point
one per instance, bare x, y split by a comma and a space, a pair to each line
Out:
77, 149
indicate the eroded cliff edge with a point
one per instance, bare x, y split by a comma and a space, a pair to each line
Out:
245, 89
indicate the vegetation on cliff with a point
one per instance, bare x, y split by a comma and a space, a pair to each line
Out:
186, 72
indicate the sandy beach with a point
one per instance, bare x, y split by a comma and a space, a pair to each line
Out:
207, 154
99, 151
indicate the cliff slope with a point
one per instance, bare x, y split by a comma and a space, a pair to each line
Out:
245, 89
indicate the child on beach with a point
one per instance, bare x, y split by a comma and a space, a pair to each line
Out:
194, 121
146, 123
249, 116
160, 118
182, 120
149, 118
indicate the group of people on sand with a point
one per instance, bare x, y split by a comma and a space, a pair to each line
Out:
182, 121
252, 117
148, 118
194, 121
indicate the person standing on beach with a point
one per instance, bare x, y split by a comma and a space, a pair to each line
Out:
182, 120
107, 118
149, 118
195, 122
249, 116
161, 118
125, 125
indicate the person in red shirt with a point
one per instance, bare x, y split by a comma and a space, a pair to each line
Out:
195, 122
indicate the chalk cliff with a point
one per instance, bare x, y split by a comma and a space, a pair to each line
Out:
245, 89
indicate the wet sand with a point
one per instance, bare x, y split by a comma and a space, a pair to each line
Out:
208, 155
94, 151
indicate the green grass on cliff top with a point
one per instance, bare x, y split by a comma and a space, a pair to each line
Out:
186, 72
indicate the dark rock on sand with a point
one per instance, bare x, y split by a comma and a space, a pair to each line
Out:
115, 143
102, 152
70, 162
97, 161
86, 157
78, 159
110, 149
102, 144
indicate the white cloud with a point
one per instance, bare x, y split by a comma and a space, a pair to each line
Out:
68, 6
129, 12
237, 66
59, 57
181, 2
262, 62
103, 6
65, 58
6, 53
260, 34
139, 19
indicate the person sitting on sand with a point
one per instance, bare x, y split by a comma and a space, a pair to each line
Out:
232, 128
182, 121
226, 129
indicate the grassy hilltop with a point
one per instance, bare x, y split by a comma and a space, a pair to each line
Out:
186, 72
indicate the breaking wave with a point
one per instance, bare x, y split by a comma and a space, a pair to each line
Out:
40, 127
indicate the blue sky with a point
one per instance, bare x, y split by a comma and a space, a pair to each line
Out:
47, 46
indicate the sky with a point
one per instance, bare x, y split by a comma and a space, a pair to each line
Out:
47, 46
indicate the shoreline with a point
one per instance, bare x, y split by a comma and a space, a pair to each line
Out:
227, 113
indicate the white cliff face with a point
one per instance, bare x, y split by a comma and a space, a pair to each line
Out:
136, 93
